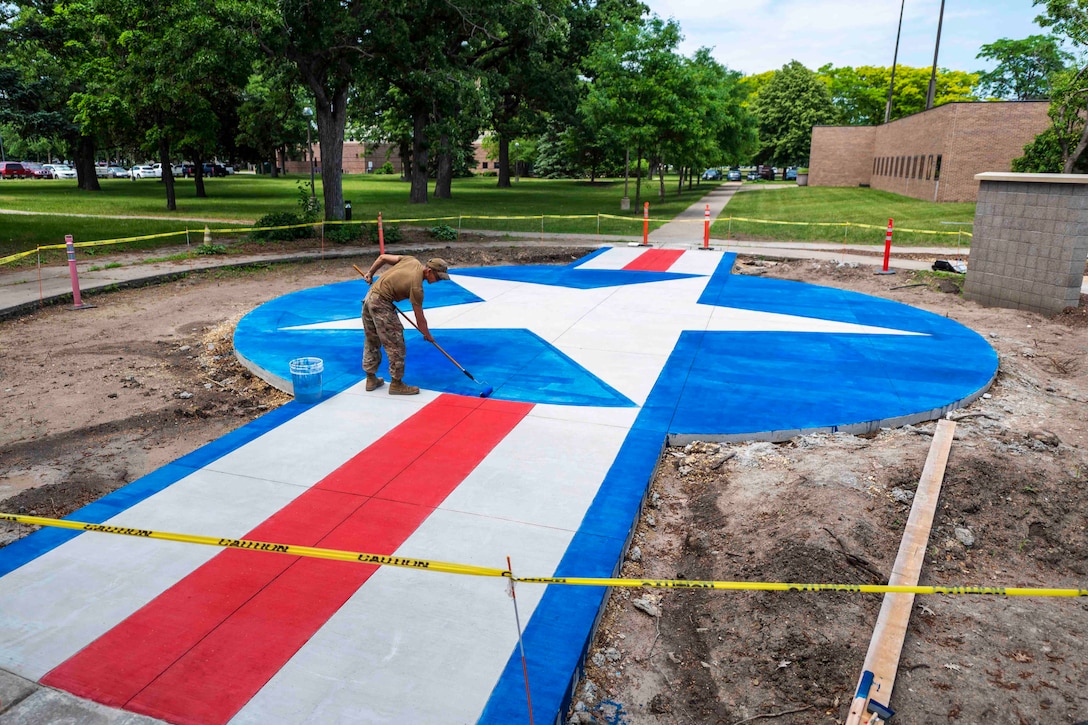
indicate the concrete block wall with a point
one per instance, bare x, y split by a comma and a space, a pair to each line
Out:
1030, 241
968, 138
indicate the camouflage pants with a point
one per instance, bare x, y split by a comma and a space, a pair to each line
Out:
383, 329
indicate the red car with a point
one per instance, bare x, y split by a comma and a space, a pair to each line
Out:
12, 170
36, 171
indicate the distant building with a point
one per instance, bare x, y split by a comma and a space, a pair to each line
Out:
359, 158
933, 155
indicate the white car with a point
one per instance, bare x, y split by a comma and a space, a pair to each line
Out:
60, 171
145, 171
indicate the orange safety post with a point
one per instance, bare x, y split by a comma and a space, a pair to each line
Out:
77, 301
706, 228
887, 249
646, 224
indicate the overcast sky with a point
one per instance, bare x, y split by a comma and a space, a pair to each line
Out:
759, 35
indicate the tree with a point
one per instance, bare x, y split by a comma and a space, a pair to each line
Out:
1069, 89
332, 43
788, 106
860, 94
1024, 67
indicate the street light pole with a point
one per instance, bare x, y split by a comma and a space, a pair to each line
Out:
931, 94
308, 112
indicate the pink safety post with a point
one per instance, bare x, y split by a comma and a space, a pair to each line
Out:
646, 224
381, 235
706, 228
887, 249
77, 301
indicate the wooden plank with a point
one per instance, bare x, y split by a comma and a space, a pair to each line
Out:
882, 659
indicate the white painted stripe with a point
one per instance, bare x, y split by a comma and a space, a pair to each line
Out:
90, 584
525, 500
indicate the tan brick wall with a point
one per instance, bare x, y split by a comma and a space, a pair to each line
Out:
359, 158
969, 138
841, 155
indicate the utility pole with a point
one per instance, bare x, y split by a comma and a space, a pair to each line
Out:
308, 112
895, 60
931, 95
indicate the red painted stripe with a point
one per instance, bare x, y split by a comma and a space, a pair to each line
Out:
203, 648
655, 260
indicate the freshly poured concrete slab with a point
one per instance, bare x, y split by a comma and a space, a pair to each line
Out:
594, 367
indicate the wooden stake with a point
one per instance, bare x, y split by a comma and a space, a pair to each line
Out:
882, 659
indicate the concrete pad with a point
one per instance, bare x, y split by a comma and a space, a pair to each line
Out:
594, 366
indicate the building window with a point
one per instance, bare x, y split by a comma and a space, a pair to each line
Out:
929, 167
937, 169
484, 165
916, 168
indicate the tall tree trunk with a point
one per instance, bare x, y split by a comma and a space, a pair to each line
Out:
443, 186
167, 175
198, 177
420, 152
87, 179
332, 117
638, 175
405, 156
661, 181
504, 162
680, 182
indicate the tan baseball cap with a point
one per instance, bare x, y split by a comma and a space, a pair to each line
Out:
440, 268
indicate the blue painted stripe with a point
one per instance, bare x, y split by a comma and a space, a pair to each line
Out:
30, 547
554, 656
593, 255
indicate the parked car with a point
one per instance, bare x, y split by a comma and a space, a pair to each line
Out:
36, 170
116, 172
213, 169
61, 171
712, 175
143, 171
732, 175
753, 175
183, 170
13, 170
791, 173
766, 172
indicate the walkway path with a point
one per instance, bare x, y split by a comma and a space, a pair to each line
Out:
687, 226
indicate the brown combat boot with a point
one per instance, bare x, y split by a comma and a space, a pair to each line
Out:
373, 382
396, 387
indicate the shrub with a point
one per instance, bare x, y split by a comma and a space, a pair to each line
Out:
386, 168
392, 233
444, 232
280, 219
345, 233
208, 249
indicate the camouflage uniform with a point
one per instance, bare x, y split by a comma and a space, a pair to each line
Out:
404, 281
383, 329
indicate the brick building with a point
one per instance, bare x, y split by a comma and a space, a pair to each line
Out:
932, 155
359, 158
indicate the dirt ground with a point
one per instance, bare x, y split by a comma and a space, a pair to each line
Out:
93, 400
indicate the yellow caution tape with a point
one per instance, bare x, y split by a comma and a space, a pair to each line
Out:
251, 545
451, 568
17, 256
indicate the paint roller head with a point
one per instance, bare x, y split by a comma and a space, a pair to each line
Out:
486, 392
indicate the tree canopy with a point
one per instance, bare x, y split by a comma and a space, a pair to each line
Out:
793, 101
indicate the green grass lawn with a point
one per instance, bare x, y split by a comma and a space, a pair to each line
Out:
243, 198
567, 206
838, 205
